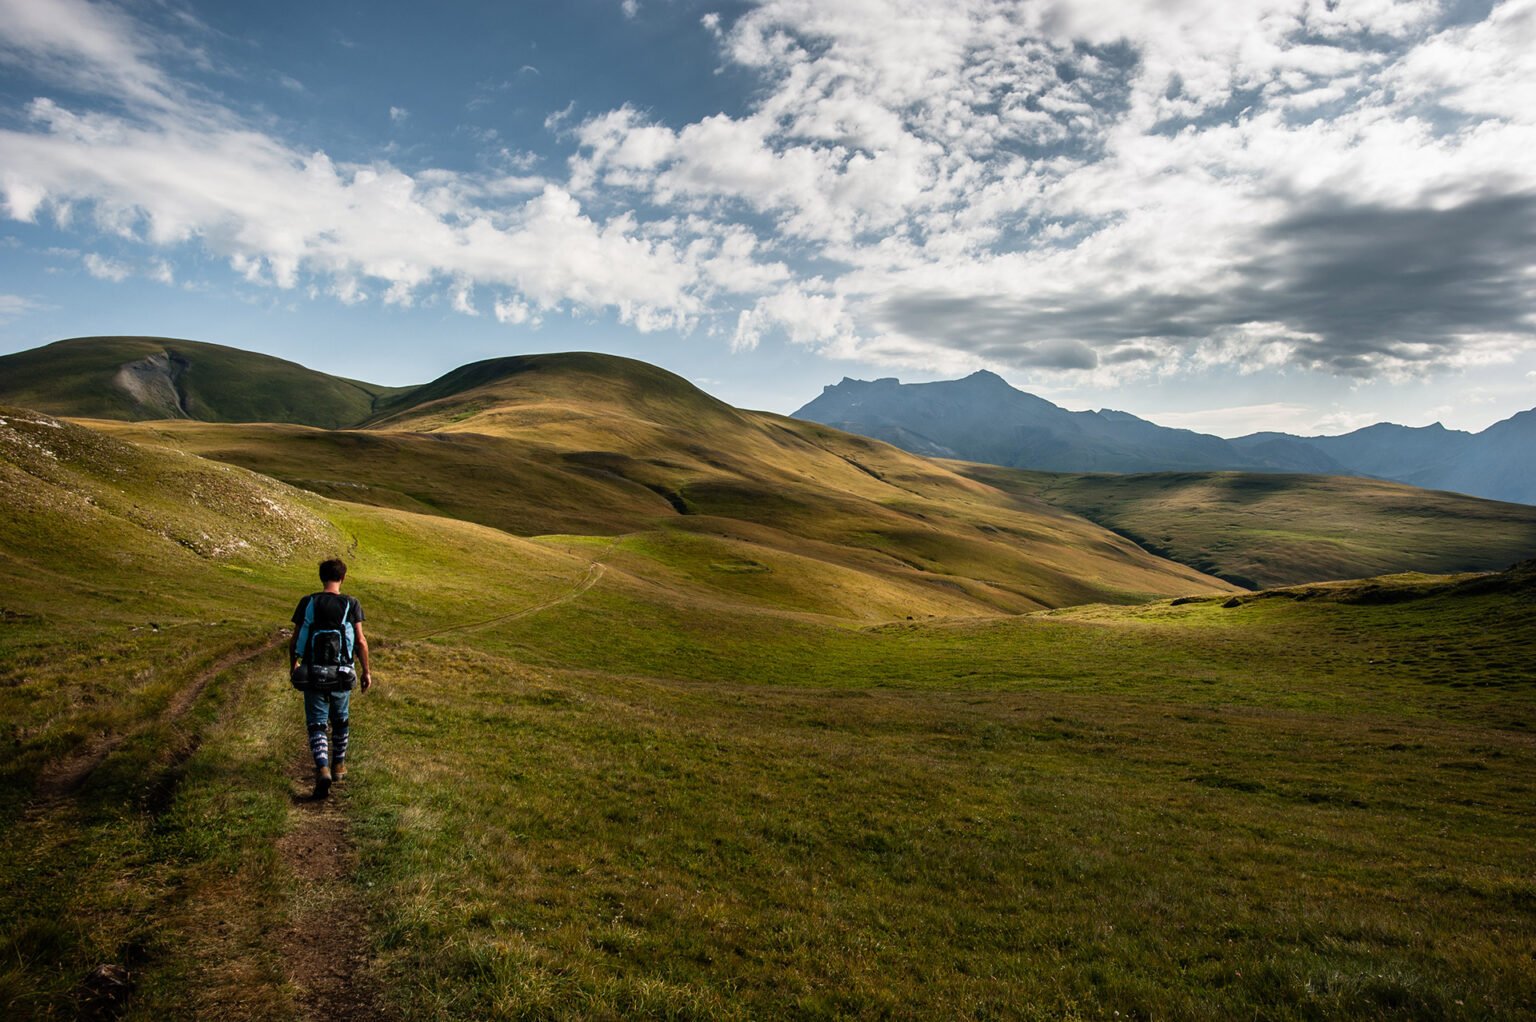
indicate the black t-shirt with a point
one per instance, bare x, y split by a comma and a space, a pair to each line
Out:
353, 608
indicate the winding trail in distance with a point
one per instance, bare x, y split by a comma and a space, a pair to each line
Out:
595, 572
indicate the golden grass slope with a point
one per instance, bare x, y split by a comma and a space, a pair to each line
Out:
589, 444
648, 773
123, 568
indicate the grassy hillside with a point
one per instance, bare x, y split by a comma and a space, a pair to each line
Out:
1093, 812
1268, 530
180, 555
595, 444
552, 383
166, 378
591, 444
600, 778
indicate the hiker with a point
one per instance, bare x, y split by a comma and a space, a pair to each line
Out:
327, 637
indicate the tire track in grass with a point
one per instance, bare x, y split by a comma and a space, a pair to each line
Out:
71, 772
108, 990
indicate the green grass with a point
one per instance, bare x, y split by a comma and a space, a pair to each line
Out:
1260, 530
976, 825
161, 862
731, 779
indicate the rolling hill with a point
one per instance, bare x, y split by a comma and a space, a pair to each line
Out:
600, 445
164, 378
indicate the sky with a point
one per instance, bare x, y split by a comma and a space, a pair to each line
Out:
1304, 215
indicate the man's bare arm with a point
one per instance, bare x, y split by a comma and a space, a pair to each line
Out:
362, 654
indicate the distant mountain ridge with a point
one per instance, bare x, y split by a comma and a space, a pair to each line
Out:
983, 418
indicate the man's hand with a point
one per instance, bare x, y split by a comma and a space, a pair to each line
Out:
367, 681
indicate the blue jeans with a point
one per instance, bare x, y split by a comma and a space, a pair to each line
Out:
318, 706
321, 708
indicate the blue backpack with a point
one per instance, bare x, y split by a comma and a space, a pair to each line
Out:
324, 645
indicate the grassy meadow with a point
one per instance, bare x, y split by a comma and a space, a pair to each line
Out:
719, 765
1271, 529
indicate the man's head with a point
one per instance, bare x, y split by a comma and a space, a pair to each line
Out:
333, 570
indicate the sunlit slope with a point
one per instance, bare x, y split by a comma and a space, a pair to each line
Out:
139, 557
1262, 530
167, 378
592, 444
777, 541
125, 516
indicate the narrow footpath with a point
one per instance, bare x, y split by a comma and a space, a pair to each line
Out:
324, 943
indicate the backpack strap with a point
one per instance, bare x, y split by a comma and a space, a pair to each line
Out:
347, 631
301, 641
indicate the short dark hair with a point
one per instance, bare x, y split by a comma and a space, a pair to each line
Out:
333, 570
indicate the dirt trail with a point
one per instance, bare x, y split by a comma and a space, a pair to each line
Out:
70, 772
323, 946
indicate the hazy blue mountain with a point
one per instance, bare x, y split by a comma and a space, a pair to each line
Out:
1294, 452
1390, 451
982, 418
1499, 462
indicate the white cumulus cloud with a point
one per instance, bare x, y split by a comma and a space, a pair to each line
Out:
173, 171
102, 268
1118, 189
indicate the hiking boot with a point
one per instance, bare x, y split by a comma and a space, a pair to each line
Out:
338, 771
322, 781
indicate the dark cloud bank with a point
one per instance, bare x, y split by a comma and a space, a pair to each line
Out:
1359, 286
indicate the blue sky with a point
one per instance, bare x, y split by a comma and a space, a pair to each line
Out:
1279, 214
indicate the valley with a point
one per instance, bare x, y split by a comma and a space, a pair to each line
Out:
1271, 529
686, 711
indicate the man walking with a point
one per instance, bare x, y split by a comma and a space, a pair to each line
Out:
327, 638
